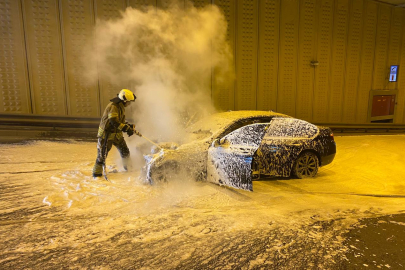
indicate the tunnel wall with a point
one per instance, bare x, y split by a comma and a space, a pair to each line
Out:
274, 42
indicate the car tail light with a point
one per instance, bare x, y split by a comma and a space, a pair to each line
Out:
331, 134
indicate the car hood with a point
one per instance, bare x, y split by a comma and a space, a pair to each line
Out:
186, 156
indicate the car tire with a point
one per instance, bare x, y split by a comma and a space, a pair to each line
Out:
306, 165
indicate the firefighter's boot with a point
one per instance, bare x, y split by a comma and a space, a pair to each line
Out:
97, 170
127, 164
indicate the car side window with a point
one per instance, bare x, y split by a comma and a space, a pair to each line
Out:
291, 128
250, 135
245, 122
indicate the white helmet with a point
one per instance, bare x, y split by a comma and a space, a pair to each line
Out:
126, 95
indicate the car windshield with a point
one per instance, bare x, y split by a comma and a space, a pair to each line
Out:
221, 124
208, 126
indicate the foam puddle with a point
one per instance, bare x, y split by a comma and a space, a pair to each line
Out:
59, 209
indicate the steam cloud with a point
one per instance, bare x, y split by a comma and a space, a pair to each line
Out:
166, 57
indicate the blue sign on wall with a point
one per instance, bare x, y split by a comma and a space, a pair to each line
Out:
393, 73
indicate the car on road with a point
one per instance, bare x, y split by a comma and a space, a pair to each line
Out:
234, 148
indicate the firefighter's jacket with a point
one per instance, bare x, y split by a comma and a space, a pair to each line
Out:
113, 120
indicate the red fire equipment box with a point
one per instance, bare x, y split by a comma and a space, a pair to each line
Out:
382, 105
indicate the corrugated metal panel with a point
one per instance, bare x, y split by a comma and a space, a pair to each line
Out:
353, 61
289, 22
246, 54
367, 60
307, 53
380, 77
223, 88
14, 94
106, 10
77, 24
400, 114
45, 56
322, 72
269, 19
340, 29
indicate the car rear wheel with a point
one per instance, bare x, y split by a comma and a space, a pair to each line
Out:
306, 165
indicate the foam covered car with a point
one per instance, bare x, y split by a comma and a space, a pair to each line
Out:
234, 148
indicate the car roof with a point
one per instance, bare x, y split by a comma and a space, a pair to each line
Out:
216, 122
234, 115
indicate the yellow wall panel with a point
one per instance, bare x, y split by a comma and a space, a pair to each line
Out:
223, 87
164, 4
109, 9
306, 54
77, 30
394, 49
394, 44
14, 88
45, 56
246, 54
367, 60
289, 23
400, 109
380, 80
269, 17
322, 71
207, 82
273, 43
200, 3
106, 10
340, 30
353, 61
140, 4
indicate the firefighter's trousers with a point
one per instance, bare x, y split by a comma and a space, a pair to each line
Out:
104, 147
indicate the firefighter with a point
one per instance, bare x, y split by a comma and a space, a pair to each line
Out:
111, 130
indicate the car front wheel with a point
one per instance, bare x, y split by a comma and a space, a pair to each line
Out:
306, 165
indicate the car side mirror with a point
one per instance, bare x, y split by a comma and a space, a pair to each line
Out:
215, 143
223, 141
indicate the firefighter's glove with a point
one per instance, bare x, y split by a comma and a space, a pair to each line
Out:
129, 129
130, 132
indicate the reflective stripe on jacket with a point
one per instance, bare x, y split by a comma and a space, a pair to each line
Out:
112, 121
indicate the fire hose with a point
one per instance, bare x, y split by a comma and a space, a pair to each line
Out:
142, 136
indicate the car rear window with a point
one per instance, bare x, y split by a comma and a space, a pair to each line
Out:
291, 128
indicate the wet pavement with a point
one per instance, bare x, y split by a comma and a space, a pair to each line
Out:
376, 243
55, 216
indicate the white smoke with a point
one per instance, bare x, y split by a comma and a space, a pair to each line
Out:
166, 58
